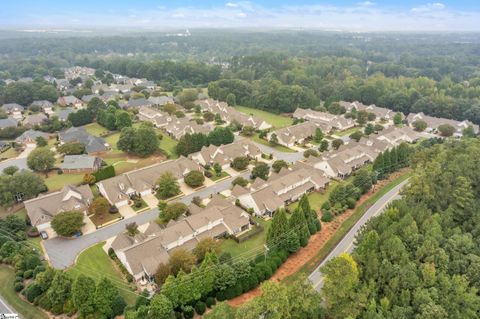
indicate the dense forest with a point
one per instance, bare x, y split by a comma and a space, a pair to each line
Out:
438, 74
421, 258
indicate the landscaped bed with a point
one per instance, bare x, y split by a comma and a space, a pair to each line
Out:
216, 177
101, 219
139, 204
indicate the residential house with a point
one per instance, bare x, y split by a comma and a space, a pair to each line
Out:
14, 110
143, 253
45, 106
119, 189
70, 100
34, 120
156, 117
89, 97
138, 103
29, 138
80, 164
8, 122
230, 114
161, 100
265, 197
93, 144
63, 84
225, 154
178, 127
43, 209
63, 113
381, 113
295, 134
396, 136
326, 121
434, 122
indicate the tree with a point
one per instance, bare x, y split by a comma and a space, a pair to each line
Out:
357, 135
41, 160
160, 308
169, 108
276, 235
298, 224
94, 106
167, 186
240, 163
446, 130
248, 130
83, 291
173, 211
194, 179
363, 180
337, 143
397, 118
341, 277
59, 290
142, 141
181, 259
99, 206
191, 143
10, 170
22, 185
205, 246
105, 296
240, 181
67, 223
80, 117
72, 148
41, 141
231, 100
323, 146
362, 117
122, 119
469, 132
208, 116
318, 137
278, 165
221, 311
220, 135
420, 125
163, 271
310, 152
218, 169
132, 229
273, 139
369, 129
261, 170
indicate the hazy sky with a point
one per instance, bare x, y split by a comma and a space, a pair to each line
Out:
388, 15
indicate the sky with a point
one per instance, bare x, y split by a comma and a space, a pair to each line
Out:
343, 15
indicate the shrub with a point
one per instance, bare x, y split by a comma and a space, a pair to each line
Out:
351, 202
210, 302
113, 209
200, 307
277, 260
32, 292
28, 274
38, 270
208, 174
194, 179
221, 295
104, 173
18, 279
283, 255
240, 181
18, 286
327, 216
250, 282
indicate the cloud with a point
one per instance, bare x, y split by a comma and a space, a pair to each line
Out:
362, 16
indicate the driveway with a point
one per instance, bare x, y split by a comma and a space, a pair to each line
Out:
20, 161
347, 242
63, 252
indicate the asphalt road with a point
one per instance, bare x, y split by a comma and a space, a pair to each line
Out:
347, 243
63, 252
20, 161
5, 308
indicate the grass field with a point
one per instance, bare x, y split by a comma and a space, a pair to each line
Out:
249, 248
10, 153
277, 121
348, 132
344, 228
95, 129
279, 148
55, 181
168, 144
94, 262
26, 310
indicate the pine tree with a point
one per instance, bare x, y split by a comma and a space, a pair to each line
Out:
394, 159
276, 235
387, 163
298, 224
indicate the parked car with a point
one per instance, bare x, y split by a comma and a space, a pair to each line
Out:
44, 235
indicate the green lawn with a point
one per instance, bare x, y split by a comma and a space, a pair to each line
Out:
94, 262
344, 228
144, 205
256, 242
100, 219
316, 199
276, 120
56, 181
214, 177
27, 310
168, 144
95, 129
347, 132
10, 153
280, 148
112, 141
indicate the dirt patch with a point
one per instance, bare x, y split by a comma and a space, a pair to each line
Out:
316, 242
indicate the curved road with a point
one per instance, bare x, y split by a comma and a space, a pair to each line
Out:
5, 307
347, 242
